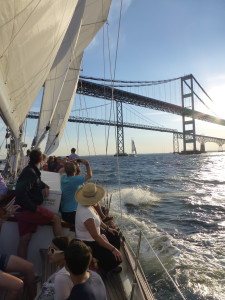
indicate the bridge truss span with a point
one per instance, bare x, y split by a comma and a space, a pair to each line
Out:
106, 92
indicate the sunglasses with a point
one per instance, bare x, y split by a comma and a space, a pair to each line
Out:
54, 251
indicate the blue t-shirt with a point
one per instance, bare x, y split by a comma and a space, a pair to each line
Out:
92, 289
69, 186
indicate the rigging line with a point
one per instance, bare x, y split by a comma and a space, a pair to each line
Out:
88, 123
202, 88
112, 110
130, 81
104, 92
159, 260
90, 107
67, 140
78, 130
2, 128
2, 143
25, 129
11, 37
86, 133
117, 45
103, 21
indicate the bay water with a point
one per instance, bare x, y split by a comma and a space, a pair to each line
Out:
178, 202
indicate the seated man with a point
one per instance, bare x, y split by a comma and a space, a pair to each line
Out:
88, 285
30, 193
12, 263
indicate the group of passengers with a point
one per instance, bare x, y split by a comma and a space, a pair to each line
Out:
80, 207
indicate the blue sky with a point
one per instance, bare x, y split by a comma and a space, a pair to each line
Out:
158, 40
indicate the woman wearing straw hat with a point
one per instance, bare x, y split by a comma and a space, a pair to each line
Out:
88, 225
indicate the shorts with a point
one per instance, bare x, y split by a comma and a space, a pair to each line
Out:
28, 221
4, 258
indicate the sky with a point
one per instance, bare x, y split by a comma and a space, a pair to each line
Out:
158, 40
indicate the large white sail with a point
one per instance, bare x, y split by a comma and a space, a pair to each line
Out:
133, 147
56, 78
31, 33
95, 15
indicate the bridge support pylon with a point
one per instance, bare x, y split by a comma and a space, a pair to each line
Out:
120, 132
220, 148
187, 96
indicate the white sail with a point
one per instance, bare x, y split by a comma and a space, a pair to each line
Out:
133, 147
56, 78
31, 33
95, 14
64, 107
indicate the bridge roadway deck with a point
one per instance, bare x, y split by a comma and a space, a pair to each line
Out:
105, 92
199, 138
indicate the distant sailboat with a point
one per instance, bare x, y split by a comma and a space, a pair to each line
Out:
133, 149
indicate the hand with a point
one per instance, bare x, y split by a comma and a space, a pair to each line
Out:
104, 237
14, 208
45, 192
84, 161
9, 211
117, 254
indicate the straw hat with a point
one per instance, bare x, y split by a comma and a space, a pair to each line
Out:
89, 194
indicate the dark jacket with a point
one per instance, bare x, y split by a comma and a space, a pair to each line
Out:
29, 188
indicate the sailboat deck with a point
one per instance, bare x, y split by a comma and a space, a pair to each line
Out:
114, 287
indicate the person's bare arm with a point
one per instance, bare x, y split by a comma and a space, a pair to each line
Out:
91, 228
88, 169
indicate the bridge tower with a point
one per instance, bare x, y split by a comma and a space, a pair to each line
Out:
120, 133
187, 96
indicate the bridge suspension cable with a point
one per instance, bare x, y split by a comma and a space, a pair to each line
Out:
131, 83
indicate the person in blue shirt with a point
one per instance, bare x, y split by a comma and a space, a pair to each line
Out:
88, 284
70, 182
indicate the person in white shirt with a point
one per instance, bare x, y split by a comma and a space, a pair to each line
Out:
59, 285
105, 247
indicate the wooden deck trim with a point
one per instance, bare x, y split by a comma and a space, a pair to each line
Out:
140, 277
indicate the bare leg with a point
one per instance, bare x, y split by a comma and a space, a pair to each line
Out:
13, 284
23, 245
26, 268
56, 226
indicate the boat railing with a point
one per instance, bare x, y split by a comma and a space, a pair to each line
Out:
138, 265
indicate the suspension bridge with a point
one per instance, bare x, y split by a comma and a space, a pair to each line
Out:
186, 110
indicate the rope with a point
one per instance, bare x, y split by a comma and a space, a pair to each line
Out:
88, 124
90, 107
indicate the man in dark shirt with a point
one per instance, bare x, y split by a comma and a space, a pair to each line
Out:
30, 193
88, 285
